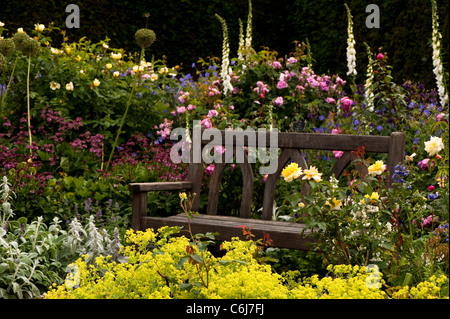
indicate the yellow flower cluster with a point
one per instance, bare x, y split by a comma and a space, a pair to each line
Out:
377, 168
155, 270
425, 290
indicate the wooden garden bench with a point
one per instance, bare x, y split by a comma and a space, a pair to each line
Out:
283, 234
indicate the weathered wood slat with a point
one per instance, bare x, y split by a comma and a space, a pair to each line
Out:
283, 234
159, 186
316, 141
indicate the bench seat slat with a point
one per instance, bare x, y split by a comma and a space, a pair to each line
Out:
283, 234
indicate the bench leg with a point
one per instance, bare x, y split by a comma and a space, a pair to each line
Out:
139, 209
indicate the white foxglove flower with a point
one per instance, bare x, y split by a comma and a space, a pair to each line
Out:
351, 52
437, 62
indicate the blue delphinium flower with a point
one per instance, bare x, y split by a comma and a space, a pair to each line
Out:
400, 173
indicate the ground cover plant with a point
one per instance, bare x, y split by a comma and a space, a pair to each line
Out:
81, 121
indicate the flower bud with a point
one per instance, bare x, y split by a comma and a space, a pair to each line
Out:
7, 47
145, 37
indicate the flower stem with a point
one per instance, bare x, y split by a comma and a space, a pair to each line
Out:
28, 106
7, 87
120, 127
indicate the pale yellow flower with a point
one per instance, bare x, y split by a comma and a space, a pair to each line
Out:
154, 77
20, 30
163, 70
335, 204
116, 56
109, 66
312, 173
68, 50
69, 86
55, 51
377, 168
105, 46
116, 74
2, 24
290, 172
96, 82
55, 86
434, 145
39, 27
301, 205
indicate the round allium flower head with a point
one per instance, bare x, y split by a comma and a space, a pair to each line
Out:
3, 64
7, 47
144, 37
20, 39
31, 47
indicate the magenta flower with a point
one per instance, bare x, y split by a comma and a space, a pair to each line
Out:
380, 56
423, 164
210, 169
346, 103
431, 188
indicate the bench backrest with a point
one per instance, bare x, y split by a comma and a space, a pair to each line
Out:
291, 145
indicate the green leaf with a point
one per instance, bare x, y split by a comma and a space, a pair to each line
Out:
197, 258
182, 262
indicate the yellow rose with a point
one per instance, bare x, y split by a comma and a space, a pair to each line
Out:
109, 66
39, 27
377, 168
96, 82
290, 172
312, 173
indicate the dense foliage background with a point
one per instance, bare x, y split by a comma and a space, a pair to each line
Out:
187, 30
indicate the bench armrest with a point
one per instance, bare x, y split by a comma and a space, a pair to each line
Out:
159, 186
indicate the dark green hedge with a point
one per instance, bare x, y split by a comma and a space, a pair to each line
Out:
187, 30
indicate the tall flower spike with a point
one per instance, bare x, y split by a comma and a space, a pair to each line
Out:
248, 38
437, 61
369, 80
241, 41
351, 52
225, 73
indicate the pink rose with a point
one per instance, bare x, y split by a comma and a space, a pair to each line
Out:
181, 109
191, 107
276, 64
330, 100
278, 101
212, 113
292, 60
440, 116
380, 56
282, 85
346, 103
206, 122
